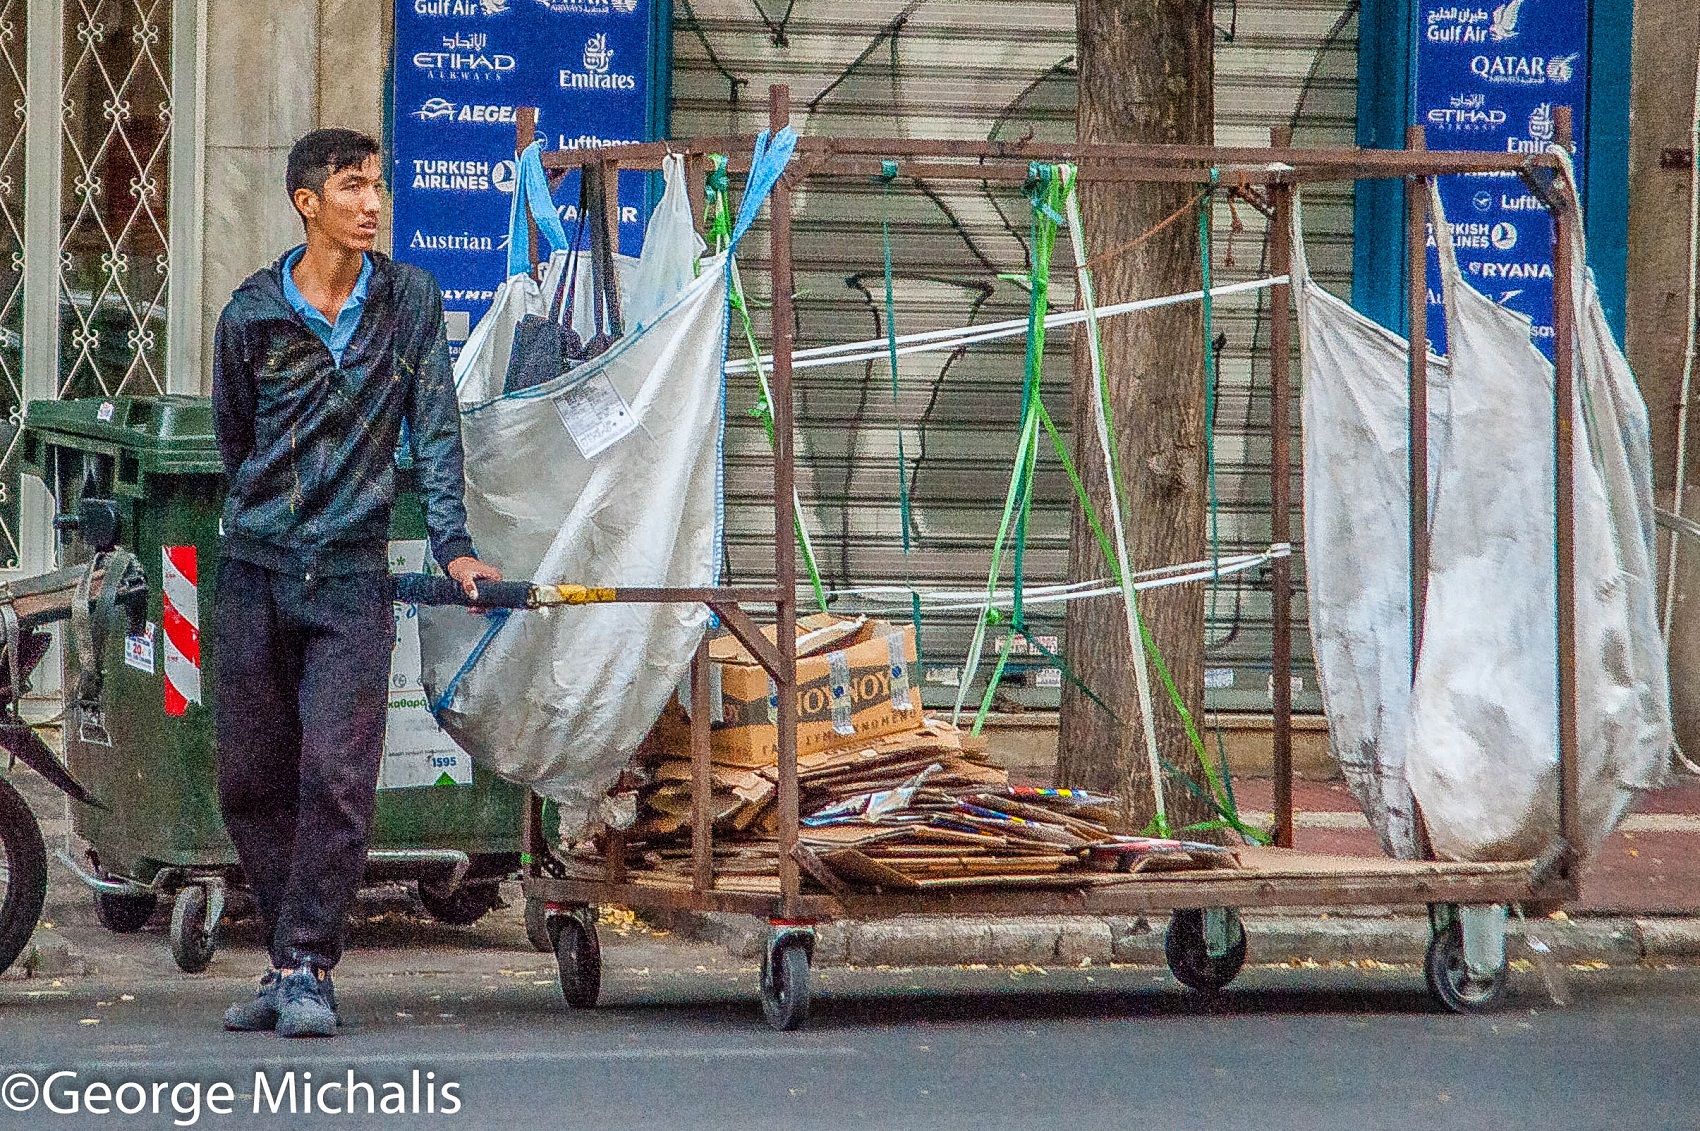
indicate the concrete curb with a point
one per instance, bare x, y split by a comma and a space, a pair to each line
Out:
1097, 940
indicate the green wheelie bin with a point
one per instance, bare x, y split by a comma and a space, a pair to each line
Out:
442, 821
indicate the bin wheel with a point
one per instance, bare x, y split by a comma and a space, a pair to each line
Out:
463, 906
124, 914
1449, 978
193, 939
785, 986
23, 874
578, 954
537, 925
1189, 960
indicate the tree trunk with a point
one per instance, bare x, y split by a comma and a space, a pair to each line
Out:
1146, 75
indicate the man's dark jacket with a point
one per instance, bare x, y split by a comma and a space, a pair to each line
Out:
309, 445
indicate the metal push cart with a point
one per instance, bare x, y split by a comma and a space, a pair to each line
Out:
1205, 945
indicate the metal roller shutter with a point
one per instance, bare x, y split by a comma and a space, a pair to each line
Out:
941, 69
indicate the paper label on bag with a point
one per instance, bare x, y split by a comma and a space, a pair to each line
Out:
900, 697
595, 414
838, 686
138, 650
406, 556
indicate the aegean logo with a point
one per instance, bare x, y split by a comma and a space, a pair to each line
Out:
436, 110
465, 57
442, 110
598, 74
1525, 70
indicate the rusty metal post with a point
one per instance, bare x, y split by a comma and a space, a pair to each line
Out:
1280, 491
1416, 434
696, 185
784, 517
1564, 390
1416, 227
525, 132
702, 775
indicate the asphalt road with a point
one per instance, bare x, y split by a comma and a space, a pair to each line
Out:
678, 1043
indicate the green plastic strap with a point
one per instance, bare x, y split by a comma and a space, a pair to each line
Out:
903, 503
720, 233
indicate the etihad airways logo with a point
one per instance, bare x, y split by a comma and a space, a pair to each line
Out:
1525, 70
465, 57
1467, 112
597, 60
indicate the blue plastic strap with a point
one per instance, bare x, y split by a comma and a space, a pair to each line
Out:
498, 618
771, 156
532, 198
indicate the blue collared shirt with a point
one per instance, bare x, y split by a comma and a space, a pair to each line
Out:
337, 337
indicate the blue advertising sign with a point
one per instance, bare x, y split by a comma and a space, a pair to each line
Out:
461, 70
1490, 77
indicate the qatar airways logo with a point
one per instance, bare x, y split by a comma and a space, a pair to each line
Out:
1525, 70
597, 73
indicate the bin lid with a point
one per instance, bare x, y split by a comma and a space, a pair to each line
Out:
172, 433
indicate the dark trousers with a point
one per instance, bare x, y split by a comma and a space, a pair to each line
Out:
302, 689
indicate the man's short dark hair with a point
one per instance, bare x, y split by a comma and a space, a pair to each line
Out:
322, 154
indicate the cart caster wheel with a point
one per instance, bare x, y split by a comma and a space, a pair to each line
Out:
1449, 978
1189, 959
193, 938
537, 926
124, 914
579, 956
785, 985
462, 907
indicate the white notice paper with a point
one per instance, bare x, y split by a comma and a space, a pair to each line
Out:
138, 650
595, 414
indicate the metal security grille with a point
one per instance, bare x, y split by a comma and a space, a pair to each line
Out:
113, 265
938, 69
14, 84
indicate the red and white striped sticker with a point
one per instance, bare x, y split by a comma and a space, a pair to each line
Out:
182, 630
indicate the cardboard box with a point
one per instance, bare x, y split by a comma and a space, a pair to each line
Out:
853, 683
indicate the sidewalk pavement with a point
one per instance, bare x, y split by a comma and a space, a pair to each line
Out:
1641, 904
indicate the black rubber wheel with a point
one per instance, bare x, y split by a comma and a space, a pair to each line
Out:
462, 907
537, 925
124, 914
1449, 978
578, 955
785, 987
192, 945
1191, 963
23, 874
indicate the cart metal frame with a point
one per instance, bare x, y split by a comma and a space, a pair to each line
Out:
1277, 877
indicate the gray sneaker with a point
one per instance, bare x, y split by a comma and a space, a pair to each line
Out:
258, 1015
306, 1004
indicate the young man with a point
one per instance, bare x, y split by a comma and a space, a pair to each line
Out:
318, 362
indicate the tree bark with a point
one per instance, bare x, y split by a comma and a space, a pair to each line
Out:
1146, 75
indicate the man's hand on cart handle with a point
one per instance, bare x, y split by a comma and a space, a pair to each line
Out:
467, 570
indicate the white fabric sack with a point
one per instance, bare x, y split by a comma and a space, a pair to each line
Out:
483, 362
559, 699
1357, 530
1483, 753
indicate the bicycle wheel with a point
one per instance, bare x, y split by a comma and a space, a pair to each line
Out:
23, 874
